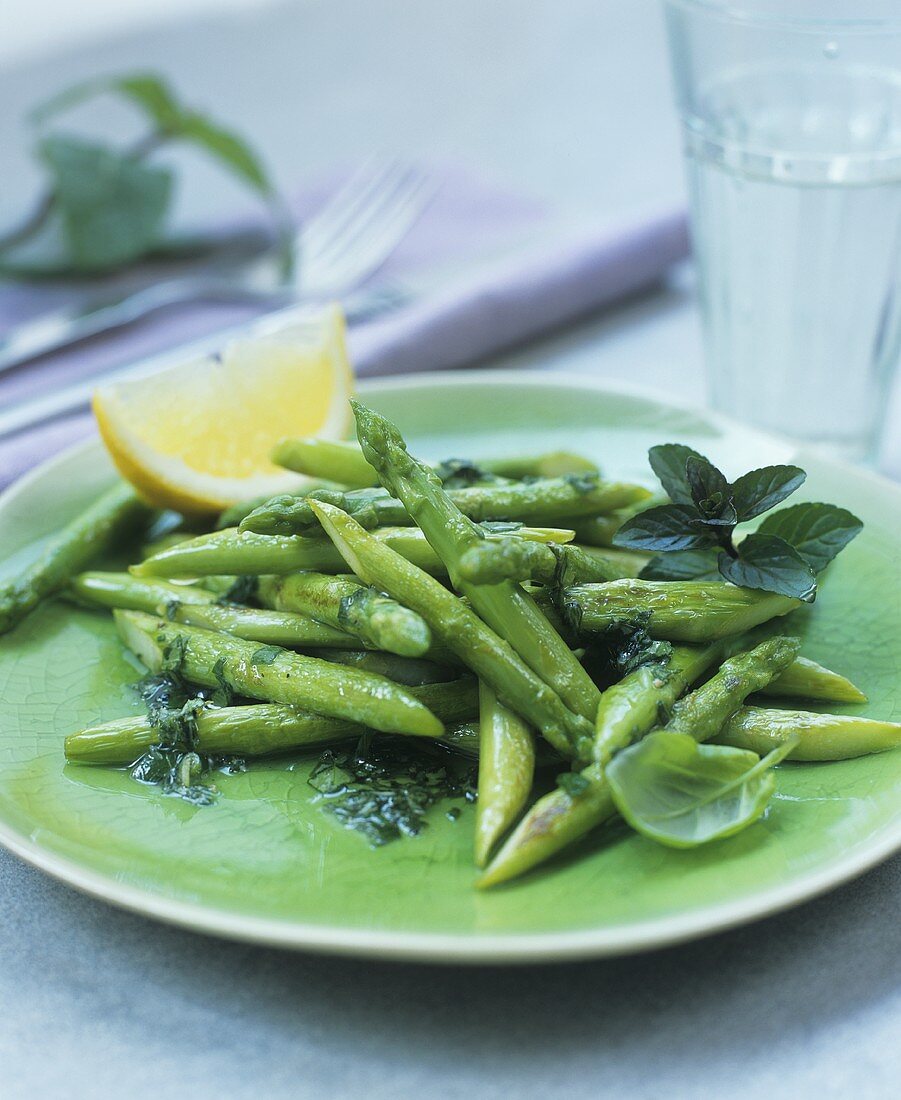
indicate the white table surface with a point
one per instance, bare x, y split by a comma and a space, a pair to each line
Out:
567, 99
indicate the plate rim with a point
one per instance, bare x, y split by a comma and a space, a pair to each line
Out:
452, 947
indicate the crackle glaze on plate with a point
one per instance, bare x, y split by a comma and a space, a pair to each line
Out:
265, 864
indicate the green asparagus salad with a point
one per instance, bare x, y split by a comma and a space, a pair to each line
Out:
521, 639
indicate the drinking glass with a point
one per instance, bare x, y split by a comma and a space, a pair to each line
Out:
791, 115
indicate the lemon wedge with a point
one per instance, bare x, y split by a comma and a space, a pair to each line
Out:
197, 436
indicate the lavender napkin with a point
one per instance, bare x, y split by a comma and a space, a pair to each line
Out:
488, 270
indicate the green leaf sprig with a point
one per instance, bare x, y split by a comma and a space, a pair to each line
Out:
693, 536
106, 207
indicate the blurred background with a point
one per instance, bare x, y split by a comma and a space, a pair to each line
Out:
549, 111
541, 113
565, 99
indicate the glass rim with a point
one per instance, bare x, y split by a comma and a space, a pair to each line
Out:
742, 11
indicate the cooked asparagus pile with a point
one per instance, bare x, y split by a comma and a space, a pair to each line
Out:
478, 609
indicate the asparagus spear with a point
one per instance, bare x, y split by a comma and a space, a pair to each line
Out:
551, 464
292, 515
233, 515
371, 508
545, 500
506, 768
182, 603
275, 675
257, 730
704, 712
346, 605
244, 552
805, 679
541, 501
822, 736
409, 671
115, 513
496, 560
599, 530
505, 607
561, 818
454, 624
164, 542
326, 459
344, 463
630, 708
681, 611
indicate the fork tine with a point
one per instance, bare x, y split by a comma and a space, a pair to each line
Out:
381, 206
387, 229
360, 217
364, 187
370, 247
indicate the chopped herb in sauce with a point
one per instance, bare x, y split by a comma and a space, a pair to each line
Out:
173, 764
384, 788
243, 590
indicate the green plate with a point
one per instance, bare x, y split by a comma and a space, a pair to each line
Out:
267, 864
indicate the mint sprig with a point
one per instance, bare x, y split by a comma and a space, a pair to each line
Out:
693, 536
107, 206
817, 531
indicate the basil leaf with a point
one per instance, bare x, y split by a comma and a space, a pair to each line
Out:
682, 794
668, 463
760, 490
771, 564
710, 491
817, 531
111, 206
682, 565
668, 527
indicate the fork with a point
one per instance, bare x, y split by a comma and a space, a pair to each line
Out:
338, 249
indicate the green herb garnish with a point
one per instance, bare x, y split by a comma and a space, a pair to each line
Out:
694, 534
173, 764
266, 655
174, 654
573, 783
225, 694
106, 207
628, 645
243, 590
461, 473
383, 789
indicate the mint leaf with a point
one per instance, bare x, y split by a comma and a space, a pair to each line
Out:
771, 564
668, 527
111, 206
682, 565
710, 491
228, 148
171, 118
668, 463
146, 91
266, 655
573, 783
170, 121
817, 531
682, 794
758, 491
